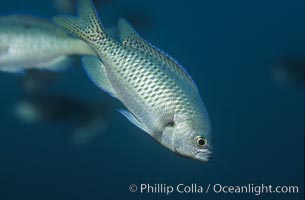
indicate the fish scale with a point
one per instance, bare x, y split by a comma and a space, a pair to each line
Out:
148, 79
150, 71
159, 94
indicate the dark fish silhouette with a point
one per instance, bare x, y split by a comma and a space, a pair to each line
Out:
87, 119
290, 71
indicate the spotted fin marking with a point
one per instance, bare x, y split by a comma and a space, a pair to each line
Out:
95, 70
129, 37
133, 119
86, 26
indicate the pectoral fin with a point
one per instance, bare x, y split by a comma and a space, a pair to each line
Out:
95, 69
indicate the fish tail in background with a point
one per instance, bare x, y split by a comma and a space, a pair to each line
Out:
86, 26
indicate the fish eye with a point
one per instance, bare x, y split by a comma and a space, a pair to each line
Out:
201, 142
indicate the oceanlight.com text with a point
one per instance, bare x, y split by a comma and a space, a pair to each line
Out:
195, 188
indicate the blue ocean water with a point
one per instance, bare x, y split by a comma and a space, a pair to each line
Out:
229, 48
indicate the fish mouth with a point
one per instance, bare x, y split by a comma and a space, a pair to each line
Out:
205, 156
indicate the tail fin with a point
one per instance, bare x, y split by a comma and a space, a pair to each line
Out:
86, 25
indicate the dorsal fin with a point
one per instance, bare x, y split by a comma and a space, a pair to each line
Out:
129, 37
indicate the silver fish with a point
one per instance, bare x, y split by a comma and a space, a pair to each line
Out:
160, 96
33, 43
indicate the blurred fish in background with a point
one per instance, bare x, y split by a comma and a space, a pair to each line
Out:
39, 50
33, 43
289, 71
87, 120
